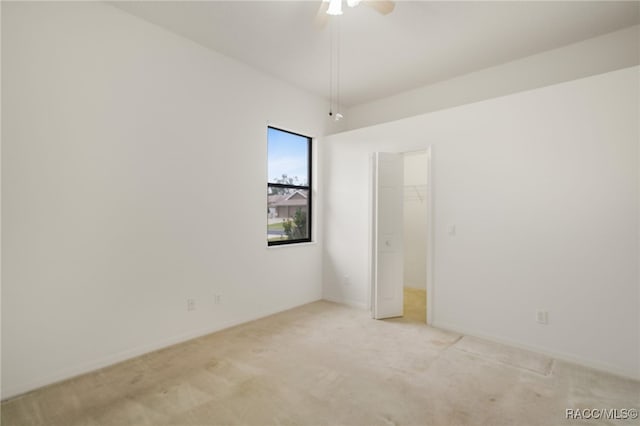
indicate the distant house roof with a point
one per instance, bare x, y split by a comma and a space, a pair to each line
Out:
297, 198
275, 198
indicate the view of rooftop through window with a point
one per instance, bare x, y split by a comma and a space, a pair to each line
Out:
288, 187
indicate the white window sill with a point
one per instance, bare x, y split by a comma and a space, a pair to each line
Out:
280, 246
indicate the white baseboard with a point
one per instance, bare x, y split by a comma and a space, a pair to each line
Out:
352, 303
69, 373
594, 365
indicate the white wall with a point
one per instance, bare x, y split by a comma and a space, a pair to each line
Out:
123, 148
415, 219
616, 50
543, 189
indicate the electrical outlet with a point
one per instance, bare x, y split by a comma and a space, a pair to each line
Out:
191, 304
542, 317
346, 280
217, 299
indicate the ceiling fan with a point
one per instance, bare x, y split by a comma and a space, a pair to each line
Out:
334, 7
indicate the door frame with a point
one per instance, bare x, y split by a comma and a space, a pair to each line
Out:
430, 288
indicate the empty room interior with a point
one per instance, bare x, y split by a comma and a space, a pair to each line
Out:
452, 228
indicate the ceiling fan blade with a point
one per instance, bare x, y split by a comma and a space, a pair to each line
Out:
322, 18
382, 6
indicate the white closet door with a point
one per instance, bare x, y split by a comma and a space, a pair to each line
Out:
387, 235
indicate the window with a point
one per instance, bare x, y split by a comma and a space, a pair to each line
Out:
288, 187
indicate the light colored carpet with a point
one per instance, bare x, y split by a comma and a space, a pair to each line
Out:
506, 354
415, 305
322, 364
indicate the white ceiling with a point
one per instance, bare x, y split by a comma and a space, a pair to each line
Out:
419, 43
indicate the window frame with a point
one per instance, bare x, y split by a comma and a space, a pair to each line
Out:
307, 188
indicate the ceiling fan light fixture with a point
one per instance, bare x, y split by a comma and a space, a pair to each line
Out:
353, 3
335, 7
